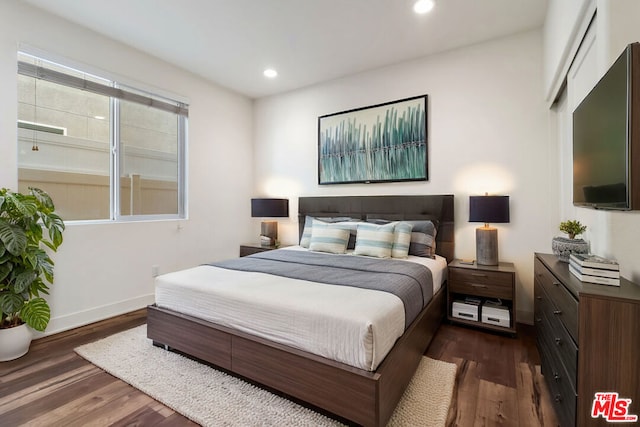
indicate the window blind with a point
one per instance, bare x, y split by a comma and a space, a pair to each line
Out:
47, 74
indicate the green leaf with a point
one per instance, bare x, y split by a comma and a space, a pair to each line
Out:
43, 198
10, 303
5, 269
23, 281
24, 204
56, 237
36, 313
38, 287
13, 237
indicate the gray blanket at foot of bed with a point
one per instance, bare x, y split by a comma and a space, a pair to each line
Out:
411, 282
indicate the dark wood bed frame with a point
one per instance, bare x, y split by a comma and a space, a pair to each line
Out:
359, 396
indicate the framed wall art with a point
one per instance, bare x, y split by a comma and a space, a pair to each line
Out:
381, 143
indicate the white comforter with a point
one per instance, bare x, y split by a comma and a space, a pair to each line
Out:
350, 325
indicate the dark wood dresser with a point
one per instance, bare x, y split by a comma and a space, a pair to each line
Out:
588, 337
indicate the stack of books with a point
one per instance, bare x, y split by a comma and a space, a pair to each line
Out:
595, 269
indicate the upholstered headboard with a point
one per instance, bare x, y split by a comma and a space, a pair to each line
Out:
399, 207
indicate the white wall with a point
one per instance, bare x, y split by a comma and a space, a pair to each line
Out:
487, 132
566, 21
105, 269
610, 233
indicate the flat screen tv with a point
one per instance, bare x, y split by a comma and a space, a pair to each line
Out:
606, 138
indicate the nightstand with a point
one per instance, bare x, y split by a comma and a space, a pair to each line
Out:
249, 249
483, 282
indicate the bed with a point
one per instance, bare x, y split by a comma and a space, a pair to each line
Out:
363, 394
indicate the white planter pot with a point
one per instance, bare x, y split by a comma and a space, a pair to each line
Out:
563, 247
14, 342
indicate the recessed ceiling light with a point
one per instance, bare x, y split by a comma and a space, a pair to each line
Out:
270, 73
423, 6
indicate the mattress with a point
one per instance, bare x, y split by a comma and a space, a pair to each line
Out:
350, 325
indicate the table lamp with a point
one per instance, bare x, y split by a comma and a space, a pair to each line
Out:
488, 209
269, 208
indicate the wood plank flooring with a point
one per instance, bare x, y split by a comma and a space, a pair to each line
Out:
498, 382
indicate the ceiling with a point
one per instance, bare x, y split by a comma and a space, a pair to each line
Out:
231, 42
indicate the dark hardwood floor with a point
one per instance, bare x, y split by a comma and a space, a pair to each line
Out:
498, 382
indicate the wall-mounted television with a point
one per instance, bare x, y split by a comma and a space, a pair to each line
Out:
606, 138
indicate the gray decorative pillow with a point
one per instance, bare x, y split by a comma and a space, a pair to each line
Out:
423, 239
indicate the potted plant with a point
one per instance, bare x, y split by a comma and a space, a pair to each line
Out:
26, 269
563, 247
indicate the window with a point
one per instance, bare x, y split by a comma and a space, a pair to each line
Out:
102, 150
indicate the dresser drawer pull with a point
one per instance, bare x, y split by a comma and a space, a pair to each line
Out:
555, 282
538, 319
557, 398
556, 377
479, 275
557, 312
476, 285
539, 298
559, 341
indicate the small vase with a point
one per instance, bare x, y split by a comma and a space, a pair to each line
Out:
14, 342
563, 247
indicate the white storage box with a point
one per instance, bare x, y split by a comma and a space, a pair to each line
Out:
496, 315
463, 310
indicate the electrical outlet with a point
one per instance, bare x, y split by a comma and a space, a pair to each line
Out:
155, 270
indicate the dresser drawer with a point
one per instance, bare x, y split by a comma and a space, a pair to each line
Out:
565, 306
490, 284
558, 345
556, 338
563, 395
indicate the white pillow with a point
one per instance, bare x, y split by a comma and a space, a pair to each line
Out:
331, 238
374, 240
401, 239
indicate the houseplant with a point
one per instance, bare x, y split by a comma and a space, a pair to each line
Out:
27, 223
563, 247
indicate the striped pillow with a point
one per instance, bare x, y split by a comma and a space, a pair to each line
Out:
374, 240
305, 239
331, 238
401, 239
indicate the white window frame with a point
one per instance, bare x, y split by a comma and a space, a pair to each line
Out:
117, 91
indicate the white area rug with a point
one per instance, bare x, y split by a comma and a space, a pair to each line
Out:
213, 398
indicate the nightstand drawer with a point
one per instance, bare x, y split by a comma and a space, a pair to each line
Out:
246, 250
489, 284
565, 306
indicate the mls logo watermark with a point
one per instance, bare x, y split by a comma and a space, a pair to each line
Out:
612, 408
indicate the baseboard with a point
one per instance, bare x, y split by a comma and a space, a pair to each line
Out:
81, 318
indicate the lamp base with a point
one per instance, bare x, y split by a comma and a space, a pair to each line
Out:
487, 246
268, 233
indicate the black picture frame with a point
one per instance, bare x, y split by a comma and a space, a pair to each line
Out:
379, 143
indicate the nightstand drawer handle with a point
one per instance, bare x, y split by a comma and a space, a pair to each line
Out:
559, 341
479, 275
557, 398
556, 377
476, 285
555, 282
557, 312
